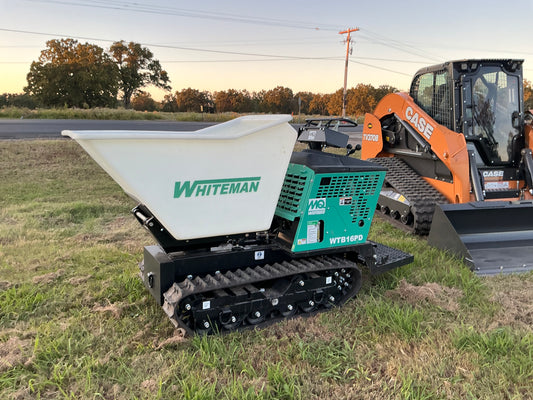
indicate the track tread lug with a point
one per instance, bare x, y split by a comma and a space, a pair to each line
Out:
421, 195
240, 282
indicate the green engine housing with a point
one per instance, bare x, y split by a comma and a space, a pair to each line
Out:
328, 200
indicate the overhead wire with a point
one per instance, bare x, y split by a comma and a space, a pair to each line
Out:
380, 68
124, 5
364, 33
264, 57
224, 16
195, 49
202, 14
397, 45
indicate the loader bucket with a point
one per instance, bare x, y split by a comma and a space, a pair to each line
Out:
492, 237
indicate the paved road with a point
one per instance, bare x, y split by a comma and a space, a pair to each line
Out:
51, 128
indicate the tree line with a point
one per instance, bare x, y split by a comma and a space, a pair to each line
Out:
84, 75
361, 99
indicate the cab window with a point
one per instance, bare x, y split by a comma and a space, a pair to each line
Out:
431, 91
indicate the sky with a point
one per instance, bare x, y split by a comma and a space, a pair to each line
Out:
215, 45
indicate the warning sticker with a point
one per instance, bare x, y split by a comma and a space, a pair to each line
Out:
345, 201
504, 185
312, 232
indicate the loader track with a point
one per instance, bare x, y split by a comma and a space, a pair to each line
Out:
256, 296
421, 196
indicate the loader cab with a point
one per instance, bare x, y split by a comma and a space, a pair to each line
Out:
481, 99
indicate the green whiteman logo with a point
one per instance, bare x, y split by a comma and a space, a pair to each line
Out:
216, 187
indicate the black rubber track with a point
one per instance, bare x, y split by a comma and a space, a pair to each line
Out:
240, 277
421, 195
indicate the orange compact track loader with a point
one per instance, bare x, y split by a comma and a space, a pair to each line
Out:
458, 149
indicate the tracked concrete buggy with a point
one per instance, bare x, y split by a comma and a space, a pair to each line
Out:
248, 232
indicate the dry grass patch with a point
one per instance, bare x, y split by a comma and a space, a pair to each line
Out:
514, 295
178, 337
428, 293
15, 352
79, 280
4, 285
48, 278
301, 328
115, 309
150, 385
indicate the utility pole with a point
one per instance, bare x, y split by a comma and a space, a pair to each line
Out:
348, 41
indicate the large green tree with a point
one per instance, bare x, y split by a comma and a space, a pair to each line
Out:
137, 68
73, 74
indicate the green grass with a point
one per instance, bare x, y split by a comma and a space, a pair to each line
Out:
123, 114
111, 114
77, 323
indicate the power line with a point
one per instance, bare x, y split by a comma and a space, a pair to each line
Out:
136, 7
201, 14
381, 68
398, 45
269, 57
476, 49
250, 60
240, 53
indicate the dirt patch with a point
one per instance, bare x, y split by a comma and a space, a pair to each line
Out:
178, 337
4, 285
302, 328
79, 280
14, 352
82, 238
121, 223
123, 231
126, 231
430, 293
150, 385
115, 309
22, 394
143, 336
48, 278
513, 293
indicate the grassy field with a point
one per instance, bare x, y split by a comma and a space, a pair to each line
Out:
123, 114
111, 114
76, 322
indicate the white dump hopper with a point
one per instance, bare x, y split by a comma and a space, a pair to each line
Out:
221, 180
